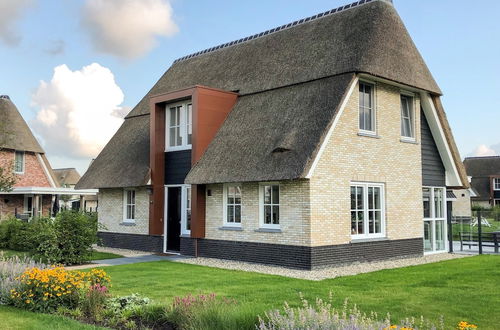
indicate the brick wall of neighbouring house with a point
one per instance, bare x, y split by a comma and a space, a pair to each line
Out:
33, 176
384, 159
462, 206
111, 211
9, 203
294, 215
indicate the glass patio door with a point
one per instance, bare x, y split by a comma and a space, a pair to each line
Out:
434, 204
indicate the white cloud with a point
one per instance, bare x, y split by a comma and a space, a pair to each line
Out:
76, 111
10, 12
127, 28
484, 150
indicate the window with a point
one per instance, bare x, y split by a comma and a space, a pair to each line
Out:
187, 226
407, 126
19, 162
129, 212
496, 184
367, 210
366, 108
270, 205
232, 205
179, 126
434, 219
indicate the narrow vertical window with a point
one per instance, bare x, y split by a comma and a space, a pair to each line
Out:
270, 208
129, 205
189, 122
407, 121
179, 126
232, 205
366, 108
188, 209
175, 138
496, 184
434, 219
19, 162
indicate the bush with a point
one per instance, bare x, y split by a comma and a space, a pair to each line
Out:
10, 270
46, 290
67, 239
14, 235
94, 301
323, 316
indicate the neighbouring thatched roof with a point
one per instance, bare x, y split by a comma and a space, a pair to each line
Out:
480, 169
303, 64
66, 176
15, 133
124, 161
272, 135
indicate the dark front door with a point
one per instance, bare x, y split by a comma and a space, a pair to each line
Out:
174, 219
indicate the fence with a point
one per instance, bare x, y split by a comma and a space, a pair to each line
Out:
479, 233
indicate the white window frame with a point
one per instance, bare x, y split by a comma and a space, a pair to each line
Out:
433, 220
366, 220
23, 161
25, 205
185, 190
185, 125
411, 98
261, 206
496, 184
225, 205
125, 205
374, 108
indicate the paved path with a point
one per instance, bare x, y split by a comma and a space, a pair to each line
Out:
128, 260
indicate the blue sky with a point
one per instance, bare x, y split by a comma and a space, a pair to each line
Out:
458, 39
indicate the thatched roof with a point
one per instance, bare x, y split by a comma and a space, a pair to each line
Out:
272, 135
124, 161
15, 133
66, 176
480, 169
284, 63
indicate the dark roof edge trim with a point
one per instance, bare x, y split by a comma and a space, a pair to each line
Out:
280, 28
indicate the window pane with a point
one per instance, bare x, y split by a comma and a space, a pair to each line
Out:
237, 195
173, 118
267, 194
230, 195
428, 245
276, 215
359, 198
368, 120
426, 196
376, 197
237, 214
276, 194
361, 225
438, 203
440, 235
378, 222
230, 213
370, 198
353, 198
189, 119
371, 222
178, 136
354, 229
267, 214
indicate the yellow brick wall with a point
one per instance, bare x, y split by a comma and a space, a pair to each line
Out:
294, 215
382, 159
110, 213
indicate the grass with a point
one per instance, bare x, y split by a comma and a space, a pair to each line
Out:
96, 255
467, 228
14, 318
460, 289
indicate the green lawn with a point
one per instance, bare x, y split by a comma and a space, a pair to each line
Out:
96, 255
460, 289
12, 318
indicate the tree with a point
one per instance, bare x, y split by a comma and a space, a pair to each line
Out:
7, 177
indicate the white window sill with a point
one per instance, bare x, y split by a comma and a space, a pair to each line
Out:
229, 227
368, 134
185, 235
268, 230
19, 173
179, 148
355, 240
127, 223
408, 140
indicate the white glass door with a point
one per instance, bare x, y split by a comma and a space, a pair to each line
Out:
434, 205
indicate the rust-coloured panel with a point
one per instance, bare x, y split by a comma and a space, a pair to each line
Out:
210, 109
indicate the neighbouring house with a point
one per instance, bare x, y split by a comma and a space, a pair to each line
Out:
484, 174
319, 142
37, 187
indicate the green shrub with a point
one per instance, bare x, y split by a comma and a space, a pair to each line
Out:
14, 235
